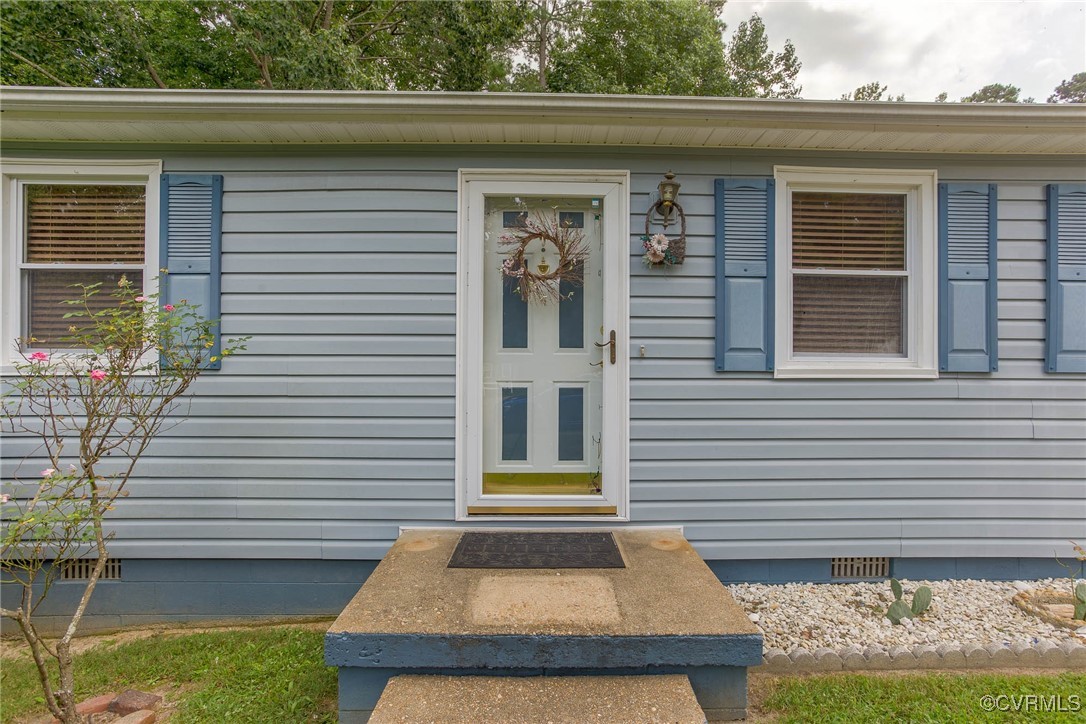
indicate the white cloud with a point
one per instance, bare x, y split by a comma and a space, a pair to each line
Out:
923, 47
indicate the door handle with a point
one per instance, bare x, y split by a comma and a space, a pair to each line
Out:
610, 343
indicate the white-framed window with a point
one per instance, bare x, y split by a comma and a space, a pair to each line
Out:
856, 273
70, 222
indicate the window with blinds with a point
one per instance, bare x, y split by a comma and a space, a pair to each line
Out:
73, 235
849, 274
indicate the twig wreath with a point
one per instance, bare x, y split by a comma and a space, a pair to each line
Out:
542, 284
659, 249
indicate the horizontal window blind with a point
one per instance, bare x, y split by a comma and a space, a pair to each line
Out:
49, 289
72, 224
848, 231
848, 315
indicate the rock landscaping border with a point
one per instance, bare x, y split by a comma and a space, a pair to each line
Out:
971, 624
1068, 655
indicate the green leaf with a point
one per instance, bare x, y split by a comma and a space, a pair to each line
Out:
921, 600
898, 612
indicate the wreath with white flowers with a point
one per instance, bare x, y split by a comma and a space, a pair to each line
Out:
542, 284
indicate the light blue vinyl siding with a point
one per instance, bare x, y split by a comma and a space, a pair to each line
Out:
336, 426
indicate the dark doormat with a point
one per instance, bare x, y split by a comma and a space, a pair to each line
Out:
536, 550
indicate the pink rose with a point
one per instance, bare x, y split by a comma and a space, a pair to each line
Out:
39, 357
141, 298
168, 307
98, 375
47, 472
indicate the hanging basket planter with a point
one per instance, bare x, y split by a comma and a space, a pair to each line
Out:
542, 283
661, 250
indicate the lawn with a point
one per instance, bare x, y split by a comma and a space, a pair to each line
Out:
249, 675
920, 697
278, 675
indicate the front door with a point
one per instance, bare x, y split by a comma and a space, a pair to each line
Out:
543, 354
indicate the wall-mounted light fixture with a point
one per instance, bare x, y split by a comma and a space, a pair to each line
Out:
660, 250
669, 191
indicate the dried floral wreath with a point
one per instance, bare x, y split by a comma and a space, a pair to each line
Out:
542, 284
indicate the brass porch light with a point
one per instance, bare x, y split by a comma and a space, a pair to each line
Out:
669, 191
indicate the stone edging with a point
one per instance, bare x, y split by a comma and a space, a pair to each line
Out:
1068, 655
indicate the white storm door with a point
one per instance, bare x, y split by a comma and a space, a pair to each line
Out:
542, 389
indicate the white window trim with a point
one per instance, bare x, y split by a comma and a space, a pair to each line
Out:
919, 187
14, 174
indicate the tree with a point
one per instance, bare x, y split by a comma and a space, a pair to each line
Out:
872, 91
456, 46
669, 47
550, 21
305, 44
581, 46
1070, 91
941, 98
652, 47
996, 93
756, 71
93, 411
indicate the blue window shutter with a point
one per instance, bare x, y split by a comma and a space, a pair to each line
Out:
1065, 348
744, 269
191, 246
968, 333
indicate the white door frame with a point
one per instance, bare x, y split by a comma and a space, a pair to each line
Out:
473, 185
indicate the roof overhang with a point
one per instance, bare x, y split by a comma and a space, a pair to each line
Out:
169, 117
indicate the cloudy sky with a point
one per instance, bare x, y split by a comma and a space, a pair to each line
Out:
921, 48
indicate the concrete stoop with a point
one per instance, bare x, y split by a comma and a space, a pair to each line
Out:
566, 630
554, 699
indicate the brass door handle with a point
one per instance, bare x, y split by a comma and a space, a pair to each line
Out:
610, 343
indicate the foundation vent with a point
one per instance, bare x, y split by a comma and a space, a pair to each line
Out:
859, 568
80, 570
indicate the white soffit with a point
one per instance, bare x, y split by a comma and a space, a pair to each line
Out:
135, 116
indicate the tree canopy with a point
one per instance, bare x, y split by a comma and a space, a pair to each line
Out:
873, 91
673, 47
1070, 91
997, 93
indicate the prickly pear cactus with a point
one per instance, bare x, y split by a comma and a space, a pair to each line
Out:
1080, 601
921, 600
895, 586
898, 612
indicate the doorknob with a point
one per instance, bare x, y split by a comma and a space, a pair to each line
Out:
610, 343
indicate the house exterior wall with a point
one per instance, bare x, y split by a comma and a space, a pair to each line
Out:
336, 426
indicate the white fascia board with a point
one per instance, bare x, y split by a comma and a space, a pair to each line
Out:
62, 106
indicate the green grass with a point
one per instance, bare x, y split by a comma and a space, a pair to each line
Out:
253, 675
278, 675
922, 697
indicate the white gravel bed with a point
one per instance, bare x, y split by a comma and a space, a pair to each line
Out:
813, 616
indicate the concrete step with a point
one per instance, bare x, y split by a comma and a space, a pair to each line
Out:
544, 699
664, 613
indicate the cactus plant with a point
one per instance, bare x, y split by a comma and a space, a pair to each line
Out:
899, 610
1080, 601
921, 600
